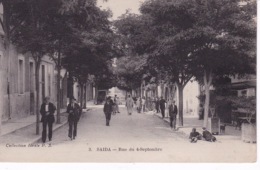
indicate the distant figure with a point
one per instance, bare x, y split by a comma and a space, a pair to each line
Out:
143, 104
74, 111
108, 110
157, 105
201, 112
195, 136
208, 136
173, 111
162, 106
139, 105
153, 104
129, 105
135, 101
47, 111
116, 102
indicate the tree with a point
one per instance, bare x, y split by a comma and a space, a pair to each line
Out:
165, 43
91, 53
72, 25
224, 41
129, 71
171, 53
212, 38
32, 37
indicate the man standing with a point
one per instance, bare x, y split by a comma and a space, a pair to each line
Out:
108, 108
47, 111
157, 105
162, 106
129, 105
74, 111
173, 114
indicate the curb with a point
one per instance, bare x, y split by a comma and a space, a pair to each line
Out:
38, 138
179, 129
58, 126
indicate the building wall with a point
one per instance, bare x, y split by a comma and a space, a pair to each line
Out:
19, 70
190, 100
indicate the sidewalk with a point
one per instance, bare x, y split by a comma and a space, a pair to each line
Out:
24, 129
190, 122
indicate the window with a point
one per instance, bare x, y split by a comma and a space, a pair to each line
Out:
21, 76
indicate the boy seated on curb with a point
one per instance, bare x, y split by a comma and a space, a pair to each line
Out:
194, 136
208, 136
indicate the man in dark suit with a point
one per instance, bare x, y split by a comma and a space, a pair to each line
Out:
162, 106
108, 109
157, 105
74, 111
47, 111
173, 114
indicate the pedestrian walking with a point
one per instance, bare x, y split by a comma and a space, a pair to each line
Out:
143, 104
47, 112
116, 102
135, 101
162, 106
139, 105
201, 112
129, 105
157, 105
74, 111
173, 111
108, 109
153, 104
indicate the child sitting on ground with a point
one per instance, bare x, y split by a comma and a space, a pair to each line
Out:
194, 136
208, 136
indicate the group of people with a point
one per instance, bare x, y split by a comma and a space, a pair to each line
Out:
195, 136
47, 111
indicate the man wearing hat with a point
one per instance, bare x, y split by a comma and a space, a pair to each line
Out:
74, 111
173, 113
47, 111
108, 109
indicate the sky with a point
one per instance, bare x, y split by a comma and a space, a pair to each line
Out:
119, 7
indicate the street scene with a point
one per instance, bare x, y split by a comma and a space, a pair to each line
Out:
150, 138
158, 81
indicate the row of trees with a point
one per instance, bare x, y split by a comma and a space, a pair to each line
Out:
181, 40
76, 35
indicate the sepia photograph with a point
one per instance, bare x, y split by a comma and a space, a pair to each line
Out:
128, 81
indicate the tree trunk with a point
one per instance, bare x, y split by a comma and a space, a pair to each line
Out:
207, 84
141, 95
180, 104
6, 29
206, 107
81, 94
37, 87
70, 86
58, 94
85, 96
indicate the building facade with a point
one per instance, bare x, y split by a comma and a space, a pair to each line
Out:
18, 91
